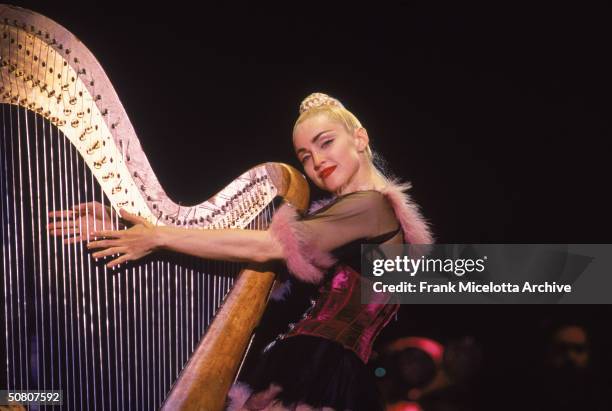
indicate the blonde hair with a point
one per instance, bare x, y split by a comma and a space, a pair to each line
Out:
320, 103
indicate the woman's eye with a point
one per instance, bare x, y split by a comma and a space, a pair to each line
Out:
304, 159
326, 143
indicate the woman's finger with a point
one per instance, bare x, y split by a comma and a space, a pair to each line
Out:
118, 261
109, 251
65, 224
64, 232
102, 244
109, 233
62, 213
132, 218
72, 240
83, 207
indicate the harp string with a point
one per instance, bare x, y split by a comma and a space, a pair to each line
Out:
22, 294
30, 279
6, 259
71, 312
39, 220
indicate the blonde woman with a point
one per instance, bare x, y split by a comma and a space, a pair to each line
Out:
320, 362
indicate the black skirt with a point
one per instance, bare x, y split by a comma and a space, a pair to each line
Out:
317, 372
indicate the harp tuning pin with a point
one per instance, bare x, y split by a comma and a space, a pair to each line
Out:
67, 112
74, 123
98, 164
108, 176
94, 147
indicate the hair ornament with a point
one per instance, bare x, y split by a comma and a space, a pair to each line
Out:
317, 100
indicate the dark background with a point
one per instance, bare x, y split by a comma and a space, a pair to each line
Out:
498, 115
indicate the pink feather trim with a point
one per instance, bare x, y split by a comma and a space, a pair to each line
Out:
309, 264
238, 396
415, 227
303, 259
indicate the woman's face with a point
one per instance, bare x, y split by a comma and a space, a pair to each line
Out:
328, 152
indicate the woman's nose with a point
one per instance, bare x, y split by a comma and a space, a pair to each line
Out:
316, 161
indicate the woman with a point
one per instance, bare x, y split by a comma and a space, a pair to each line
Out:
320, 362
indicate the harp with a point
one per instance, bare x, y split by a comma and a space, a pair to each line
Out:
169, 331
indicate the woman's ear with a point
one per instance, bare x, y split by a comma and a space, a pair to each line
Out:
362, 139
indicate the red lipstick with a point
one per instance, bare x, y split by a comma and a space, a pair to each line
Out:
326, 172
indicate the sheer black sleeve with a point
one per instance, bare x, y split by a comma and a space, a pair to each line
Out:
308, 241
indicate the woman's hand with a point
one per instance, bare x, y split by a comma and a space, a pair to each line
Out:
76, 221
134, 243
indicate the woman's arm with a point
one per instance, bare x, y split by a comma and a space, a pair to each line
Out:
224, 244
